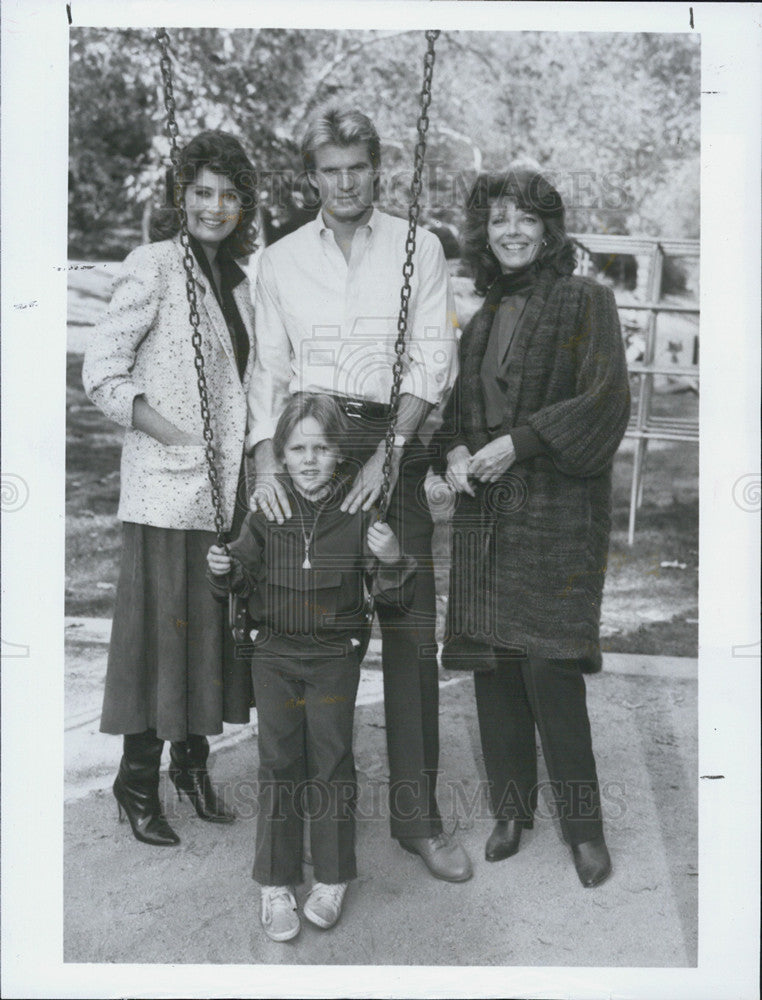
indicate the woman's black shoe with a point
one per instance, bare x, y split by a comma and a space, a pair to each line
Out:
592, 861
188, 773
504, 840
136, 790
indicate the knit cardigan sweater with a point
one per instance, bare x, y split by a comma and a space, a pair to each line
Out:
529, 552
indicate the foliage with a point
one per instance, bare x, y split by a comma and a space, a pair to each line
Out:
613, 117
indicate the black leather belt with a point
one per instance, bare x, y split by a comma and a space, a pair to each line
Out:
364, 410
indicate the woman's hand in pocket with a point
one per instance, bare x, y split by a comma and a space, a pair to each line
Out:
148, 420
177, 437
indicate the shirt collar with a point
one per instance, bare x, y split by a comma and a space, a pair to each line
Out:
372, 223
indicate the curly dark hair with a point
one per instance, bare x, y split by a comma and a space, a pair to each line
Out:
532, 193
223, 154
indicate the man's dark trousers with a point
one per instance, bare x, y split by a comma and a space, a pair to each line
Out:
409, 659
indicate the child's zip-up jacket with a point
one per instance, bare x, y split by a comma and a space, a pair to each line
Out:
304, 579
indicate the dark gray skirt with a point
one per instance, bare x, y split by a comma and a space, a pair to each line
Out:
171, 663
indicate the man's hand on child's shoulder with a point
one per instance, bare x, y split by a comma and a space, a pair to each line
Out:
383, 543
218, 561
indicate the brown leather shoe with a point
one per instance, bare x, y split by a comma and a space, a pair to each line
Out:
504, 840
443, 856
592, 861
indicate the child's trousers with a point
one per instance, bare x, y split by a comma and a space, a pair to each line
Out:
305, 708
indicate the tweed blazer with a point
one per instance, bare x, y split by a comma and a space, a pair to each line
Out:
142, 345
529, 552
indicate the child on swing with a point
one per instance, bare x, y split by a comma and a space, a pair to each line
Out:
304, 585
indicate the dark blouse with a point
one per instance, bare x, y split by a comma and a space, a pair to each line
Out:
497, 357
231, 275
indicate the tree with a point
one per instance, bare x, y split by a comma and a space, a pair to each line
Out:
613, 117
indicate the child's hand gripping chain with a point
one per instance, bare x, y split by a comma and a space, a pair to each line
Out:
383, 543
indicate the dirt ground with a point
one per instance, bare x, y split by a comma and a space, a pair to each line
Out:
197, 903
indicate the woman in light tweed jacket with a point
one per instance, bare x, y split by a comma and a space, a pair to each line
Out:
172, 674
540, 407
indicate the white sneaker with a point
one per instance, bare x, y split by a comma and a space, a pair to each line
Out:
278, 913
323, 905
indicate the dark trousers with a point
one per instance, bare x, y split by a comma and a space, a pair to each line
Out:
409, 649
411, 672
305, 708
550, 694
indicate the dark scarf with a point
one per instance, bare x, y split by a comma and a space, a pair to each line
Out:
514, 283
533, 281
231, 275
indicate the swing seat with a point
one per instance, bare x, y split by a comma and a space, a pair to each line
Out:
241, 623
364, 632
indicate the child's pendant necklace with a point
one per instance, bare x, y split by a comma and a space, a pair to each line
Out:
307, 564
308, 541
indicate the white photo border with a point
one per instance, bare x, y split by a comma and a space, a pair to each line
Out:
34, 250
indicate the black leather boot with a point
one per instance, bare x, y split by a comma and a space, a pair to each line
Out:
136, 789
188, 773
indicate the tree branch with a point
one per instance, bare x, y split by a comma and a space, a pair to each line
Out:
341, 57
452, 39
477, 153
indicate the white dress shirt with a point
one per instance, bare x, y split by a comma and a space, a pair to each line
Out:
325, 324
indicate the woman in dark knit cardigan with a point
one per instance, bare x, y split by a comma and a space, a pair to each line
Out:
540, 407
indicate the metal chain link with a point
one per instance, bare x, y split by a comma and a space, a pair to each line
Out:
190, 284
407, 269
407, 272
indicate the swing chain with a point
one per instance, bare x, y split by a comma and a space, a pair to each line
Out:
416, 186
407, 272
172, 132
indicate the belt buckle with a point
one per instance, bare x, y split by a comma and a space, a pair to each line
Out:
354, 408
